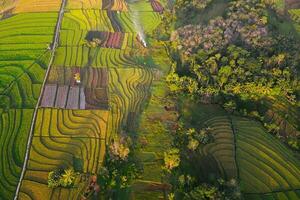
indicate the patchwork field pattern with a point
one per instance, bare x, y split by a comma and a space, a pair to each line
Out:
24, 57
64, 138
24, 39
62, 91
223, 148
90, 93
265, 164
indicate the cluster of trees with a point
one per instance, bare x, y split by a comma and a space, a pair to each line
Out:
236, 59
61, 178
119, 170
187, 9
239, 59
183, 158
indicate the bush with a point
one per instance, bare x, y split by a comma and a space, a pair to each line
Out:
61, 178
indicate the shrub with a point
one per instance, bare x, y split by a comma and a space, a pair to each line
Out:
171, 159
61, 178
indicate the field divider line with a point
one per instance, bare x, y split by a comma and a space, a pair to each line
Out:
20, 75
69, 137
30, 137
235, 147
272, 192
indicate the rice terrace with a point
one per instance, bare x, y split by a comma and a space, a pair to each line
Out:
150, 99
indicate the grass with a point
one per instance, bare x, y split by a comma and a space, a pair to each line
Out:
14, 130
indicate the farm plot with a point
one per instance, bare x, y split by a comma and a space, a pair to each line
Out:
222, 149
62, 91
117, 5
218, 156
289, 195
90, 77
25, 6
117, 40
24, 58
295, 15
20, 82
83, 56
128, 90
265, 164
71, 123
87, 20
113, 40
64, 138
141, 6
133, 21
14, 130
284, 114
49, 153
156, 6
30, 32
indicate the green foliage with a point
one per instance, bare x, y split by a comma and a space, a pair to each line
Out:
203, 192
186, 10
61, 178
171, 159
119, 170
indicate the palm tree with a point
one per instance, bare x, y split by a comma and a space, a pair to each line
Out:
67, 178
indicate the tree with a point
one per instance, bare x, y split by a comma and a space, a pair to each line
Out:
67, 178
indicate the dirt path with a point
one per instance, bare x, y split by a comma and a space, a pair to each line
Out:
30, 137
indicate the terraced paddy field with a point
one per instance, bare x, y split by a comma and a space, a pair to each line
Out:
115, 40
24, 57
128, 90
26, 6
14, 128
295, 15
289, 195
265, 164
117, 5
82, 56
64, 138
222, 149
110, 21
76, 116
219, 155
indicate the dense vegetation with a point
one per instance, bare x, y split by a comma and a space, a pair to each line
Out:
243, 59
